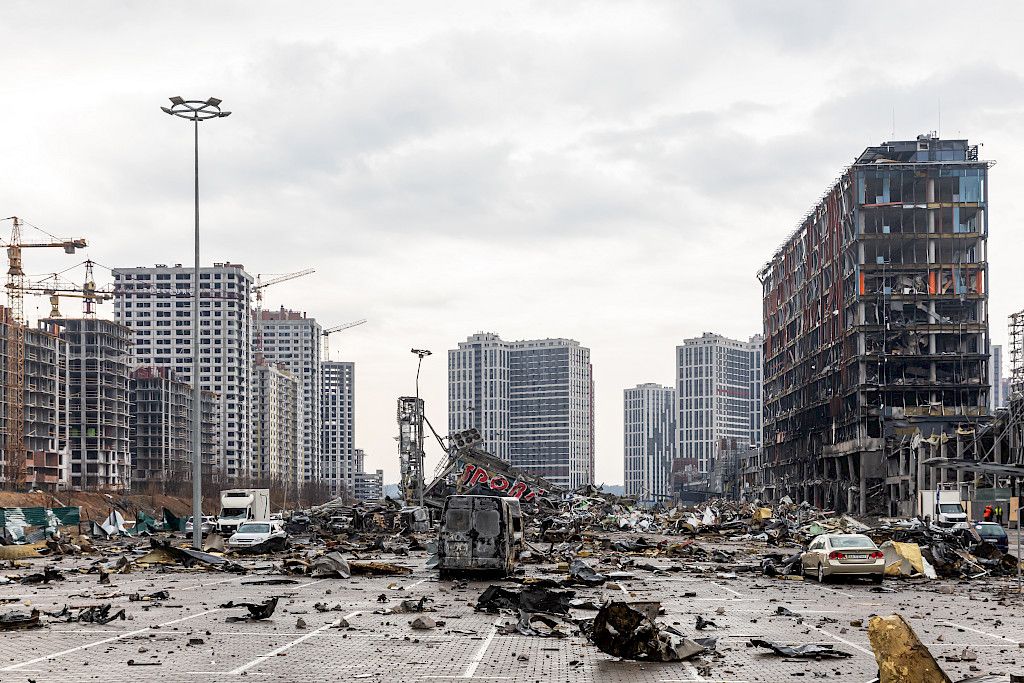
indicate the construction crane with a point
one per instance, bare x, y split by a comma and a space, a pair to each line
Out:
338, 328
14, 444
56, 288
258, 288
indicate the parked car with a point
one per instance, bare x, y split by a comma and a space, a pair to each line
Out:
843, 555
994, 534
253, 533
205, 526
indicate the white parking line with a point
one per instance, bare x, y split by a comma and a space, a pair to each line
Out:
413, 585
479, 656
287, 646
734, 592
843, 640
983, 633
692, 670
213, 583
128, 634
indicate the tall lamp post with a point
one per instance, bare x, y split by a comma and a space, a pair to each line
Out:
196, 111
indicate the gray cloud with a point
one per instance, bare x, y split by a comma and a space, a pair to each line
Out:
614, 172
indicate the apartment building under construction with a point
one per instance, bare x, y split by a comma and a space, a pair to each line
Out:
44, 414
98, 407
161, 431
876, 329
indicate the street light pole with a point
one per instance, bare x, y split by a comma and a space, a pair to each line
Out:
196, 111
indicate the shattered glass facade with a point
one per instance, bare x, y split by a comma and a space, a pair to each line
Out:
876, 324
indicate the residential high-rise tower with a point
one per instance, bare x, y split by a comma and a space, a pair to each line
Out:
649, 441
531, 400
718, 383
156, 304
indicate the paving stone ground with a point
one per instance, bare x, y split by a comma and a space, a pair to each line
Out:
152, 645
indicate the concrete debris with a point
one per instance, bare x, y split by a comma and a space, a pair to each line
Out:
901, 656
408, 606
379, 568
628, 630
423, 623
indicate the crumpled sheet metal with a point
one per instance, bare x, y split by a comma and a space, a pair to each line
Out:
628, 630
535, 624
257, 611
528, 598
13, 621
163, 552
905, 559
582, 573
901, 656
805, 651
96, 614
330, 565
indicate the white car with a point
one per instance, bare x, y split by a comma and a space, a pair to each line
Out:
254, 533
205, 526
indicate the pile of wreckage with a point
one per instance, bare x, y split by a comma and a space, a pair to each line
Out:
912, 548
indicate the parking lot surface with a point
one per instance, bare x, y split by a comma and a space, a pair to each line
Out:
187, 636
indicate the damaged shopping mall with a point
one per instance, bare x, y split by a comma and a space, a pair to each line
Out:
876, 331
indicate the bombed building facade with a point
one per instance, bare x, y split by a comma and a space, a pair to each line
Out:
876, 331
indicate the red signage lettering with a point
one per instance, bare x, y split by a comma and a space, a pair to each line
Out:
499, 483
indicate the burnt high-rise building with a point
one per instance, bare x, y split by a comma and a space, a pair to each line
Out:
876, 340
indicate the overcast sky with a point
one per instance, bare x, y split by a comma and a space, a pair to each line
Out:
610, 172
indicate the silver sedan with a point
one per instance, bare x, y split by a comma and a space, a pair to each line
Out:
843, 555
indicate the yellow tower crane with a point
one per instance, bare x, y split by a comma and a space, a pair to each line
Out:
14, 442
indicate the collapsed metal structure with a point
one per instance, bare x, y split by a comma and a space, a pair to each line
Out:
467, 468
876, 332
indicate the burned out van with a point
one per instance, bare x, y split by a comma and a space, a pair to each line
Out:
480, 533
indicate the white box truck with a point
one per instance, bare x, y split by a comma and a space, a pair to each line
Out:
943, 506
242, 505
